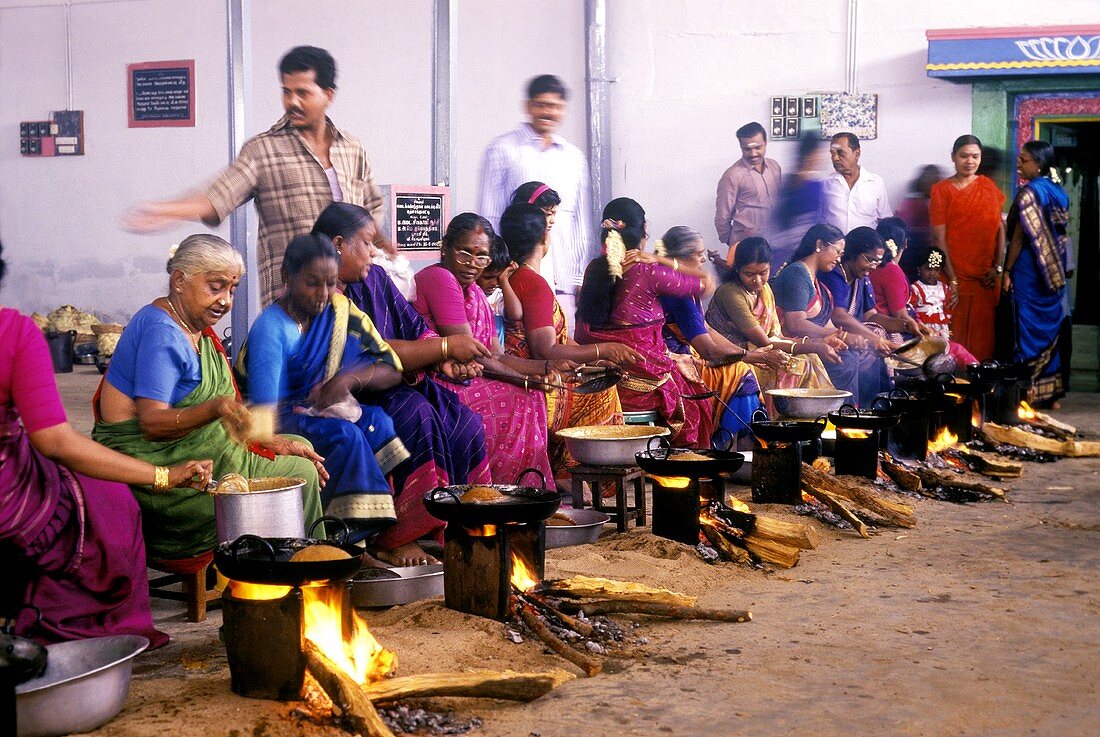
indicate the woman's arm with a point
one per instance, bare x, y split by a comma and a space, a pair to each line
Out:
1014, 249
542, 342
902, 323
513, 308
420, 354
795, 323
160, 421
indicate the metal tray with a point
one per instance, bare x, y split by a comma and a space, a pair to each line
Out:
412, 583
588, 524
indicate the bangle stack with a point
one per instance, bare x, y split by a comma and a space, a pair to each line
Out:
597, 346
444, 346
160, 478
178, 418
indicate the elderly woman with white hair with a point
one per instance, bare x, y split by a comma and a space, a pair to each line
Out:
169, 396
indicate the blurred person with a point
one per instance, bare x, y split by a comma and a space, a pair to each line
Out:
914, 207
801, 201
854, 196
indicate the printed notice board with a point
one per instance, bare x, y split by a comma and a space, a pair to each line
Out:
418, 216
161, 94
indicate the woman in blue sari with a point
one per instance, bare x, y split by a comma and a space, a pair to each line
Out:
309, 353
1035, 274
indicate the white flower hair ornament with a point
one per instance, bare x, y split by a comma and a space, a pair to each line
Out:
616, 251
172, 250
892, 248
935, 260
659, 248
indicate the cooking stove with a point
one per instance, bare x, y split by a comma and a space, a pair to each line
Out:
478, 564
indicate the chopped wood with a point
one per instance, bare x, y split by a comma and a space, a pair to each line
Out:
1017, 436
537, 624
838, 507
933, 477
860, 491
489, 684
672, 611
988, 464
345, 693
539, 602
605, 588
1045, 422
902, 476
776, 553
796, 534
722, 544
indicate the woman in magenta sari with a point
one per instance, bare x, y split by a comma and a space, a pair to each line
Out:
619, 302
452, 304
72, 543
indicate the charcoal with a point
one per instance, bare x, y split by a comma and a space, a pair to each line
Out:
956, 495
1014, 452
823, 514
513, 635
707, 553
405, 719
595, 647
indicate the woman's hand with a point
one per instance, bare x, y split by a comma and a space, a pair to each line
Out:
953, 299
619, 354
989, 279
881, 345
637, 256
281, 445
460, 370
334, 391
234, 415
911, 326
686, 365
561, 366
193, 474
835, 341
768, 356
1006, 283
465, 348
827, 350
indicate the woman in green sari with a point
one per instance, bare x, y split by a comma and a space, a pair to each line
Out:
169, 396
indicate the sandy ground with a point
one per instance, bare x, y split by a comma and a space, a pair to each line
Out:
980, 621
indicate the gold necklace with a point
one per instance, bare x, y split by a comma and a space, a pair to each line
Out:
301, 327
192, 336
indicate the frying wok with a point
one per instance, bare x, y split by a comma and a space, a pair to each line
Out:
879, 417
661, 461
518, 503
785, 431
267, 560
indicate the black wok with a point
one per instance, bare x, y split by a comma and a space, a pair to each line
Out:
520, 503
785, 431
254, 559
660, 460
879, 417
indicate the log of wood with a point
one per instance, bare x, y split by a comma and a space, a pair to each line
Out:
932, 477
796, 534
901, 475
586, 587
988, 464
345, 693
540, 602
536, 624
859, 491
776, 553
1016, 436
1043, 421
839, 508
488, 684
723, 545
672, 611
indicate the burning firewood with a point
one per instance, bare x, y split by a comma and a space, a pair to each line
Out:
838, 507
1000, 434
345, 693
488, 684
537, 624
1045, 422
672, 611
722, 544
934, 477
987, 464
539, 602
585, 587
859, 491
760, 527
902, 476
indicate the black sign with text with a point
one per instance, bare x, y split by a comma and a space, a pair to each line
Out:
418, 220
161, 95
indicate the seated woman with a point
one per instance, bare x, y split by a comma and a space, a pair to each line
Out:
687, 333
891, 287
618, 303
169, 395
70, 531
448, 298
743, 311
446, 439
806, 311
541, 332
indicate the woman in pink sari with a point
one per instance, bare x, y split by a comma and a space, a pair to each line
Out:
452, 303
618, 303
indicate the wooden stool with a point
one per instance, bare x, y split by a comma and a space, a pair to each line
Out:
595, 476
191, 572
648, 417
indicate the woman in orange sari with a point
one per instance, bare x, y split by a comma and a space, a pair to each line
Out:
541, 333
965, 213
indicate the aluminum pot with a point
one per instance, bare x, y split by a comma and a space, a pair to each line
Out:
807, 404
609, 445
84, 686
271, 508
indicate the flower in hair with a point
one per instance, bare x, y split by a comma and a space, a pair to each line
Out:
892, 247
172, 250
935, 260
659, 248
615, 250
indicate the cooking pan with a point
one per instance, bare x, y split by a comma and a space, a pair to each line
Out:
587, 524
382, 587
785, 431
660, 460
518, 504
254, 559
879, 417
931, 357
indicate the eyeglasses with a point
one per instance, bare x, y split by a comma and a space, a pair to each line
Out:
466, 258
872, 262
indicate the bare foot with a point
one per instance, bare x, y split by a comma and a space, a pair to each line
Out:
409, 554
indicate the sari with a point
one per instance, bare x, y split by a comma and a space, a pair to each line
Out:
281, 367
179, 523
1041, 209
654, 384
563, 409
972, 217
515, 419
733, 310
71, 544
446, 439
857, 299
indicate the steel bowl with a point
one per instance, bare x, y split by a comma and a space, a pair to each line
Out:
401, 586
807, 404
586, 528
84, 686
609, 445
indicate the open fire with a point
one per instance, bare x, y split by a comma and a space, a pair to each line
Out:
353, 648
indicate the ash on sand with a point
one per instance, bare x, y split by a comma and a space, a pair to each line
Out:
406, 719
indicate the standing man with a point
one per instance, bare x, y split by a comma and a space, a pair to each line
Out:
748, 190
535, 152
853, 195
293, 171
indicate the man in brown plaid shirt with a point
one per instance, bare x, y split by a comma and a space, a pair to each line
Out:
292, 170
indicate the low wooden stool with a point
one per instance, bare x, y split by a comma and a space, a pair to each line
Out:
191, 572
620, 476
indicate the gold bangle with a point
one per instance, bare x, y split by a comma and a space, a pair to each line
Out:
444, 346
160, 479
178, 418
675, 265
597, 351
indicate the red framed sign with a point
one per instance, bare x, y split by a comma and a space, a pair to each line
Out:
161, 94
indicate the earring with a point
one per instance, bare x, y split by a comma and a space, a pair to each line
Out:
179, 290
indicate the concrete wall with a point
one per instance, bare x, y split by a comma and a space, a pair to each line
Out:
688, 74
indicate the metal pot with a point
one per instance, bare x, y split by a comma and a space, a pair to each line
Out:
807, 404
586, 528
84, 686
609, 445
271, 508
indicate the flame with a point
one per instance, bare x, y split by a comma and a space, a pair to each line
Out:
672, 482
738, 506
523, 575
1025, 412
943, 441
359, 655
257, 591
855, 434
975, 415
483, 531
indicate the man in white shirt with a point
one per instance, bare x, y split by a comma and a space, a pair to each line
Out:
534, 152
853, 195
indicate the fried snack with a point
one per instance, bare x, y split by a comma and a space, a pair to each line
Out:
481, 494
559, 519
232, 483
689, 456
315, 553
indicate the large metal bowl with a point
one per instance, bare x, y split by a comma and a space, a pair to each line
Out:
609, 445
411, 583
84, 686
807, 404
586, 528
